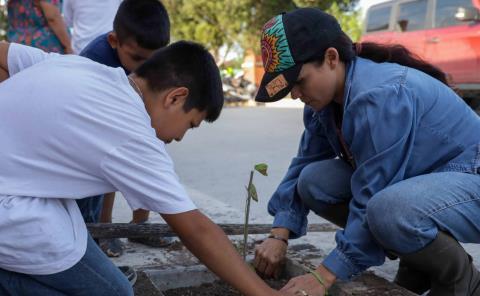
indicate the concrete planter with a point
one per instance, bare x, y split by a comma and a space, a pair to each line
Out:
153, 281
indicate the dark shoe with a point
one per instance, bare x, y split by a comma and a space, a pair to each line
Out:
449, 267
412, 279
130, 273
113, 247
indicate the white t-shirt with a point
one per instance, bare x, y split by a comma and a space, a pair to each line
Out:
89, 19
72, 128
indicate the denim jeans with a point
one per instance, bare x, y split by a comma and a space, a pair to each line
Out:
94, 274
90, 207
406, 216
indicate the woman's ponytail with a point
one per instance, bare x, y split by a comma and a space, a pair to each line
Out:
399, 54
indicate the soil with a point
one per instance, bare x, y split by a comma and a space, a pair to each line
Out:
217, 288
144, 287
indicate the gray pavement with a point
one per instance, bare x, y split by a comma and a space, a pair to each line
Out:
214, 161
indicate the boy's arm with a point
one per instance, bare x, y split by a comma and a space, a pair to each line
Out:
4, 60
210, 244
4, 55
141, 169
16, 57
3, 75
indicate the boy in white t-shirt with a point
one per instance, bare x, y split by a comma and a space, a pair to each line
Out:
88, 19
73, 128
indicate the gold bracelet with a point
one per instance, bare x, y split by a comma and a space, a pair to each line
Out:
319, 278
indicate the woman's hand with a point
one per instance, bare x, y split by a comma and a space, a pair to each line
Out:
308, 285
270, 254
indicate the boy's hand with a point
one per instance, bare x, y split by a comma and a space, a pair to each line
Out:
210, 244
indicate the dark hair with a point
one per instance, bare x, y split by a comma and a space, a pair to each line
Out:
380, 53
190, 65
144, 21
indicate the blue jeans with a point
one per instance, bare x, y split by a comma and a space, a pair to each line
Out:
94, 274
90, 208
406, 216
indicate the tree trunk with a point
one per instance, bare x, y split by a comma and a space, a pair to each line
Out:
128, 230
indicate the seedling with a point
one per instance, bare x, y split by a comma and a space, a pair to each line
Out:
251, 194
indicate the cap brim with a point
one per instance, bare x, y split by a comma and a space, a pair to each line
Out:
290, 76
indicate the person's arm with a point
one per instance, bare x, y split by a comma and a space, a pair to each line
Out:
3, 75
209, 243
142, 170
285, 205
4, 60
16, 57
56, 23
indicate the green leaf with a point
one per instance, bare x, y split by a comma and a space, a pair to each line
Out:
253, 192
262, 168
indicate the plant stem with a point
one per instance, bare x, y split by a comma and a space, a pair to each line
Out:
247, 214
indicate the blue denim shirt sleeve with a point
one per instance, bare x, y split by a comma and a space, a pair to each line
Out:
371, 128
285, 204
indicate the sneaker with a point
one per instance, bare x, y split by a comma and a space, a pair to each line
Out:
113, 247
130, 273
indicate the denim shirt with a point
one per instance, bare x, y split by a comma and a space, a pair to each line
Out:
398, 123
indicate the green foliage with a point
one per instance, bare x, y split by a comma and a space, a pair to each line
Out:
252, 191
349, 20
251, 194
345, 5
3, 21
212, 23
225, 23
262, 168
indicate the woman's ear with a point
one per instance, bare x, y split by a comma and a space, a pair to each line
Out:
112, 39
332, 57
176, 97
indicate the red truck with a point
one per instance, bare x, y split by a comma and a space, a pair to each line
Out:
443, 32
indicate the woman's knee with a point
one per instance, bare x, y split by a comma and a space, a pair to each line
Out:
393, 220
325, 181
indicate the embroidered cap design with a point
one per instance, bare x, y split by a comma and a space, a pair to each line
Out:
276, 53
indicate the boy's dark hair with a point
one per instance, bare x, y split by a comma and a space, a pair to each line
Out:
144, 21
190, 65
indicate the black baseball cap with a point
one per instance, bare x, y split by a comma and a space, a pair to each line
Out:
288, 41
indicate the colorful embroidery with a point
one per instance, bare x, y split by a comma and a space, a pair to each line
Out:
276, 53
